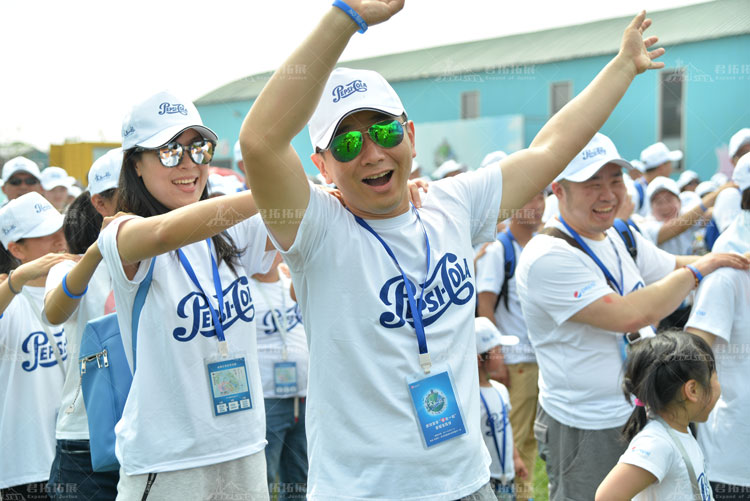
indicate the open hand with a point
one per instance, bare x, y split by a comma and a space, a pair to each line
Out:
635, 48
414, 186
715, 260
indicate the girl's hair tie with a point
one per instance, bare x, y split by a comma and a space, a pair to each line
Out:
639, 403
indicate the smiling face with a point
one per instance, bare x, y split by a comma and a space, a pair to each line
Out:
374, 183
665, 205
589, 207
176, 186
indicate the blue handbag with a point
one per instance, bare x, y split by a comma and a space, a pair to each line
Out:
106, 378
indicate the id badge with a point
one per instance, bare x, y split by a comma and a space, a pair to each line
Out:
230, 389
285, 378
505, 492
436, 406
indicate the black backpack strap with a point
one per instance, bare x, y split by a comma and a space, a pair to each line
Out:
509, 268
627, 236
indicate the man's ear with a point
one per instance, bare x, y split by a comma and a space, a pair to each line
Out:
320, 162
557, 189
410, 132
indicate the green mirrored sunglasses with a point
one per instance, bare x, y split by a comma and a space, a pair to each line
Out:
388, 134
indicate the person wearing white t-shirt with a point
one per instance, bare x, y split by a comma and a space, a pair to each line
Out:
497, 429
657, 161
83, 221
580, 290
728, 202
31, 354
283, 359
671, 380
193, 424
387, 291
498, 301
721, 316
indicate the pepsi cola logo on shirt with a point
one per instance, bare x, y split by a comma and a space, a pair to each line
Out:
38, 344
449, 284
171, 109
238, 305
343, 91
293, 317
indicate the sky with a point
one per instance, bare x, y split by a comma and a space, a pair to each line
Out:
73, 69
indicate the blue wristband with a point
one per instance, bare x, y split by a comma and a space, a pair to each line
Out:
703, 207
696, 273
353, 14
70, 294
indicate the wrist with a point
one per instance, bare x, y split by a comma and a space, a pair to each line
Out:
17, 284
697, 275
625, 65
353, 15
67, 291
340, 21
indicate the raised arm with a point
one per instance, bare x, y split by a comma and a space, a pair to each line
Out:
140, 239
529, 171
274, 171
58, 306
28, 274
650, 304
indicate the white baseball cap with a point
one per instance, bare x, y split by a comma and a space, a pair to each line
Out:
28, 216
599, 152
638, 165
741, 174
74, 191
348, 91
492, 158
446, 168
686, 178
159, 119
52, 177
705, 188
661, 183
738, 140
488, 336
20, 164
104, 173
657, 154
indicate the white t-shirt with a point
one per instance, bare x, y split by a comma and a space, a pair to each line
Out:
72, 423
726, 207
580, 366
30, 389
496, 396
510, 321
681, 245
359, 415
736, 238
654, 450
722, 307
271, 339
168, 422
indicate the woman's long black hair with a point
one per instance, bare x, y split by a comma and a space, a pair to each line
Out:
133, 197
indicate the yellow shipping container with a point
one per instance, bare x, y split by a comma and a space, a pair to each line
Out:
76, 158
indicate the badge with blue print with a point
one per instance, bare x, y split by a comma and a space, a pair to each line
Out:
230, 389
436, 405
285, 378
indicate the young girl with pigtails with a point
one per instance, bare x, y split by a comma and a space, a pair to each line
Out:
672, 382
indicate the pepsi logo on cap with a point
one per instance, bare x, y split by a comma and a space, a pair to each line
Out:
171, 109
39, 208
9, 229
99, 177
593, 152
343, 91
128, 131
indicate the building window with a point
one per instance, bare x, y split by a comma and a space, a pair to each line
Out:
671, 107
470, 104
560, 93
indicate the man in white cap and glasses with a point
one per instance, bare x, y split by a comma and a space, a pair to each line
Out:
495, 411
20, 175
32, 354
396, 315
582, 287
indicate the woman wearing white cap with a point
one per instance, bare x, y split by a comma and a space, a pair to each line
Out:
189, 429
721, 316
81, 226
31, 368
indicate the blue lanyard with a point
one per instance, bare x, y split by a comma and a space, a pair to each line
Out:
218, 327
414, 305
500, 455
619, 287
510, 235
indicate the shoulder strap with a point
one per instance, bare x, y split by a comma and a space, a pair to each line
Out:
47, 331
509, 258
627, 236
558, 233
641, 194
685, 458
140, 300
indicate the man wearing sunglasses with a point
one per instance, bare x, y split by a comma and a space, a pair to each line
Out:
20, 176
387, 291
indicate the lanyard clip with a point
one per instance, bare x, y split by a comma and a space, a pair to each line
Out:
223, 349
425, 362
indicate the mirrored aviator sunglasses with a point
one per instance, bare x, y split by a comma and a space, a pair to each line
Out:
170, 155
388, 134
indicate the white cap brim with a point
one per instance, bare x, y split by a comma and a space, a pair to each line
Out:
587, 172
163, 137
